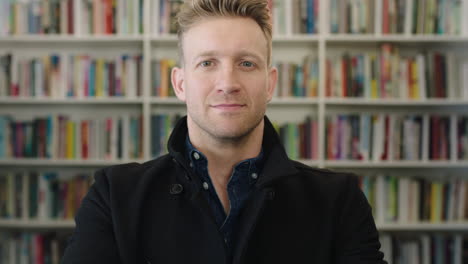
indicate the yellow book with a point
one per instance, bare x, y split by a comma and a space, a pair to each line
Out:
436, 201
99, 78
164, 78
70, 200
415, 80
374, 92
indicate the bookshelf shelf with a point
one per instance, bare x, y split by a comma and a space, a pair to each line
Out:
447, 226
294, 101
69, 38
274, 101
37, 224
20, 101
396, 164
296, 38
166, 101
402, 102
62, 163
402, 38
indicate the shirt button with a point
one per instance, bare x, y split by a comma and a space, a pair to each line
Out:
225, 240
205, 186
196, 155
254, 176
191, 165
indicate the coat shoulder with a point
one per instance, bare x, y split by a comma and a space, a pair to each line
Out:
324, 174
128, 174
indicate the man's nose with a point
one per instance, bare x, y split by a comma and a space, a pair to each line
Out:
228, 81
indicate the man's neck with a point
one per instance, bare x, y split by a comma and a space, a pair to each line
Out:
222, 155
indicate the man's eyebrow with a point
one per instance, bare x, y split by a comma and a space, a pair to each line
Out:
211, 53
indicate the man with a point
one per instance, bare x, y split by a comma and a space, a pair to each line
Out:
226, 192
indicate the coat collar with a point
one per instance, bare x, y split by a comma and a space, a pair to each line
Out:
277, 164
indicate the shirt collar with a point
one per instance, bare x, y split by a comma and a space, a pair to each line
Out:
198, 162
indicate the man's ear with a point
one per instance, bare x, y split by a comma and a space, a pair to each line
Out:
177, 79
272, 80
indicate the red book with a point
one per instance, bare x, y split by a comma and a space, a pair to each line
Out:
385, 17
111, 78
329, 78
386, 138
443, 126
84, 139
41, 148
438, 75
39, 241
108, 138
108, 14
435, 137
86, 66
70, 17
330, 142
314, 137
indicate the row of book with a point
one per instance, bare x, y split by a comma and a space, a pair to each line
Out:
298, 80
436, 248
422, 17
416, 199
71, 76
388, 74
63, 137
294, 16
161, 128
399, 17
71, 17
32, 247
36, 17
352, 16
387, 137
110, 17
42, 195
300, 140
161, 85
168, 10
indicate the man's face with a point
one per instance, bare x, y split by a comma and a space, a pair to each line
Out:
225, 81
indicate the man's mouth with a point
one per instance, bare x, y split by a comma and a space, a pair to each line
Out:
228, 107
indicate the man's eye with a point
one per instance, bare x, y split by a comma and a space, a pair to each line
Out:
206, 63
247, 64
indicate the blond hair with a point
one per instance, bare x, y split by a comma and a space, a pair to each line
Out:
192, 11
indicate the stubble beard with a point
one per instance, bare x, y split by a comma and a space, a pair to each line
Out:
235, 137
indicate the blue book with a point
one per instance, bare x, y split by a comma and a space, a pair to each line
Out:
310, 17
299, 89
49, 136
92, 79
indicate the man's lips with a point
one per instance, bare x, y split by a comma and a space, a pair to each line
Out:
228, 106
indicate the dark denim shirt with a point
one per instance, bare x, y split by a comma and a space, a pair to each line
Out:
240, 185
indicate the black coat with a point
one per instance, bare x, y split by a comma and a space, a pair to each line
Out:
156, 213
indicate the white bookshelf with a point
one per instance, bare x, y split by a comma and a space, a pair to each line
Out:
37, 224
286, 47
